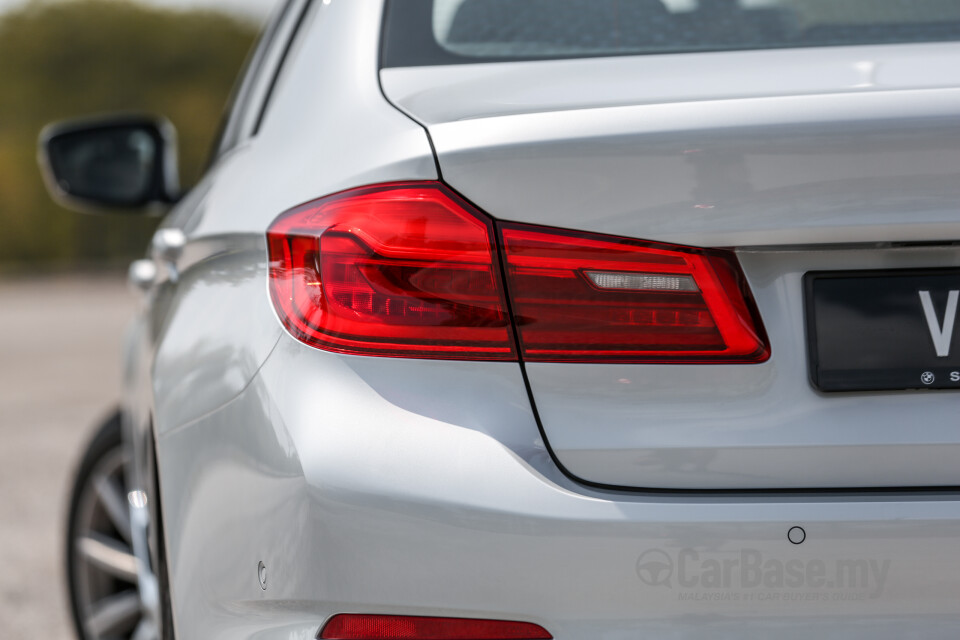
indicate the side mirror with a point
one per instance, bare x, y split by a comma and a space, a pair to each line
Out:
125, 162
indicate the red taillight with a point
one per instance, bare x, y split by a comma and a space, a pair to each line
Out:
404, 269
375, 627
579, 297
412, 270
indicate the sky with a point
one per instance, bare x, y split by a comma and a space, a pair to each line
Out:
251, 8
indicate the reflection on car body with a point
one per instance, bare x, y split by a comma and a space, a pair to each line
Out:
529, 319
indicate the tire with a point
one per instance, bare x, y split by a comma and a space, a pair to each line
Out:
101, 569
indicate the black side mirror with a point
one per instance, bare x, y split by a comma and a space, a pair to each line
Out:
124, 162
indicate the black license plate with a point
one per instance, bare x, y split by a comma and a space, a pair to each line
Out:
883, 330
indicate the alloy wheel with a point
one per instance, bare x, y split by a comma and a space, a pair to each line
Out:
106, 578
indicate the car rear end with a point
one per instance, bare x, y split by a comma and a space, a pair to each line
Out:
729, 241
830, 207
665, 348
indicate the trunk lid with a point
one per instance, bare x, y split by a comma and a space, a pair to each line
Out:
832, 159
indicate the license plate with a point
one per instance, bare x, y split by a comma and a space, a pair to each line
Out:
883, 330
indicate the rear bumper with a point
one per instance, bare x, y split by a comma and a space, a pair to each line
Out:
423, 488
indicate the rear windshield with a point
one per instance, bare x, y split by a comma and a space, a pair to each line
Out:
430, 32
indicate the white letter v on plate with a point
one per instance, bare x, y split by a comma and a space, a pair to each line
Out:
941, 335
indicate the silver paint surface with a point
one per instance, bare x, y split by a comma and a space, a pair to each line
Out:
807, 159
425, 487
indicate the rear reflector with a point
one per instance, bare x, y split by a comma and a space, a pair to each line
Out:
402, 269
411, 269
579, 297
375, 627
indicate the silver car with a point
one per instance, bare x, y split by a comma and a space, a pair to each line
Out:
529, 319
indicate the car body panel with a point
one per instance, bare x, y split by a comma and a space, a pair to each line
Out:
442, 94
210, 304
757, 148
222, 269
802, 160
198, 345
752, 427
434, 496
416, 487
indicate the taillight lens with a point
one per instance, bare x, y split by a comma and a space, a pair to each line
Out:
377, 627
579, 297
403, 269
412, 270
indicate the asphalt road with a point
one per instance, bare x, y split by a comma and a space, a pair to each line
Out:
59, 374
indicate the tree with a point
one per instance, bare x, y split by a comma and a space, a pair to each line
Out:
69, 59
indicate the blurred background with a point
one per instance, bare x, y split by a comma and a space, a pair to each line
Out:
63, 298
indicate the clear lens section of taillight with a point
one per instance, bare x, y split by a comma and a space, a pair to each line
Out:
579, 297
401, 269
